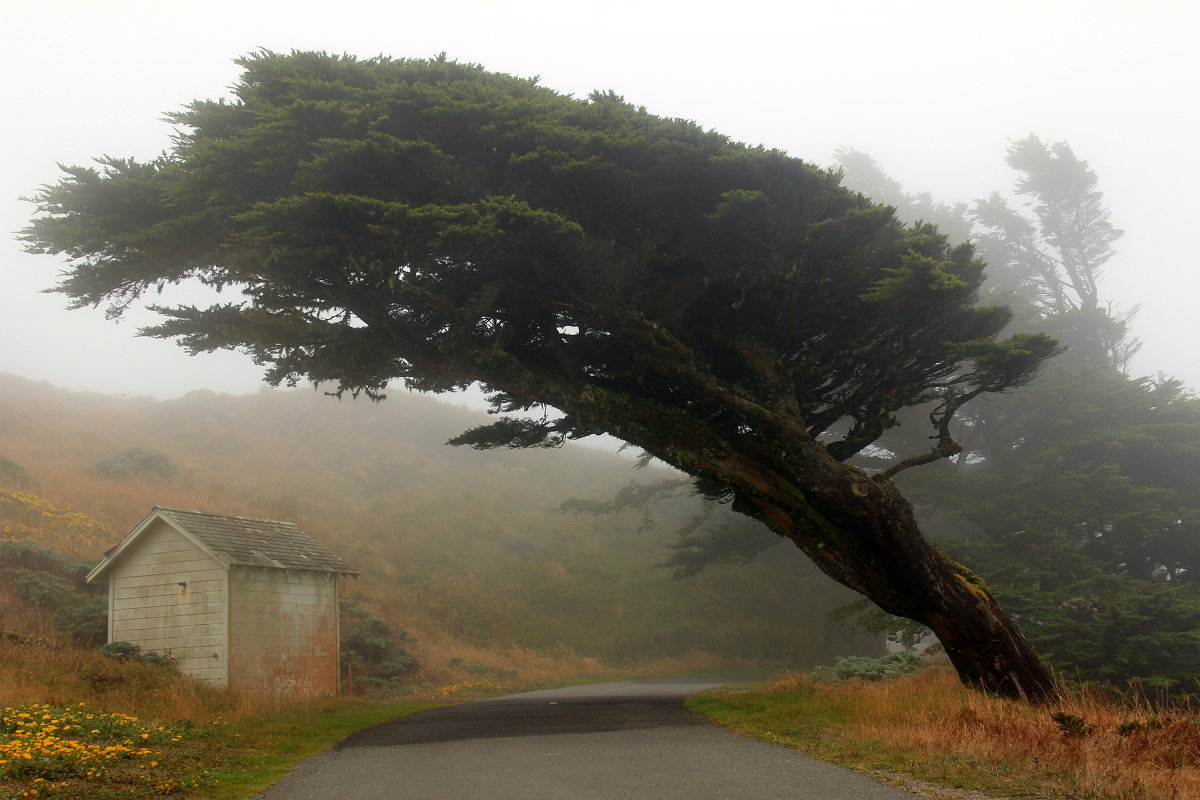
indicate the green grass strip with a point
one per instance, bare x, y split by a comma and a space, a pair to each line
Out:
265, 749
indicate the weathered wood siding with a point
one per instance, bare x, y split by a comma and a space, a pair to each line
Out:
283, 632
149, 607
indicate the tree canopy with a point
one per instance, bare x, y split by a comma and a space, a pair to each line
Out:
1077, 497
730, 309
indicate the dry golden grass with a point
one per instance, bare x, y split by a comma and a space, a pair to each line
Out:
449, 661
1103, 748
21, 618
80, 726
42, 672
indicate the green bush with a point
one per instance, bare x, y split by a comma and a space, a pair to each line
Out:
57, 587
865, 668
128, 651
375, 654
42, 590
1072, 727
135, 462
84, 620
30, 557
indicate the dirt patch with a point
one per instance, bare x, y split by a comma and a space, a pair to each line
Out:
934, 791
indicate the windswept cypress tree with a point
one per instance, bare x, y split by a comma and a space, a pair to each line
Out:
730, 310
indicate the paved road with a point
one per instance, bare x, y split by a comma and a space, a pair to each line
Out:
606, 741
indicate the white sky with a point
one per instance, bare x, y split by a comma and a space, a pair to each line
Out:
933, 89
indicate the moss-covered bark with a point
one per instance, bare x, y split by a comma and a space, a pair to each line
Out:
863, 534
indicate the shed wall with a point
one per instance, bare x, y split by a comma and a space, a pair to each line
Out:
148, 606
283, 632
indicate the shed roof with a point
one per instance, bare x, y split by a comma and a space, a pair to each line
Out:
240, 541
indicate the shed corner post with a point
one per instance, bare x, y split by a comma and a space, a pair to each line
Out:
112, 607
337, 633
228, 627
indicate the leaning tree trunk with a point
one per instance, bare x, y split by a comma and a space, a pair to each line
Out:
863, 533
857, 529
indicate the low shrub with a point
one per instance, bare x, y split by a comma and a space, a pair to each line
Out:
129, 652
866, 668
52, 587
377, 664
138, 461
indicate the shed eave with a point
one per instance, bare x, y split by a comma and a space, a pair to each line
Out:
114, 554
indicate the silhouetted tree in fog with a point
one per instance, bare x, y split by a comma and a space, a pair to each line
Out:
730, 310
1078, 498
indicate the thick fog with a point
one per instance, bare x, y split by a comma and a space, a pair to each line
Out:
933, 90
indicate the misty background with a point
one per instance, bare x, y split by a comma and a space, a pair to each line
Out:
935, 91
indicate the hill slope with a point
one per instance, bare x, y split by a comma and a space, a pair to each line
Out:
464, 550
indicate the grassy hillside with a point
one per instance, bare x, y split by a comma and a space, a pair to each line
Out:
463, 550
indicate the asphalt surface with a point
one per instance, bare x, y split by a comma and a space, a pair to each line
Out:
600, 742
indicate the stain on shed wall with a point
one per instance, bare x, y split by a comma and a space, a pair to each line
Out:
283, 632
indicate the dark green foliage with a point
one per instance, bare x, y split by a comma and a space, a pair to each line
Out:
31, 558
1078, 498
1084, 508
56, 587
1072, 727
1091, 624
375, 661
365, 635
866, 668
490, 229
135, 462
1089, 458
84, 620
40, 589
127, 651
122, 651
1134, 725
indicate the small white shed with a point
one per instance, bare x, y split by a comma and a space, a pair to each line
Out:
247, 603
